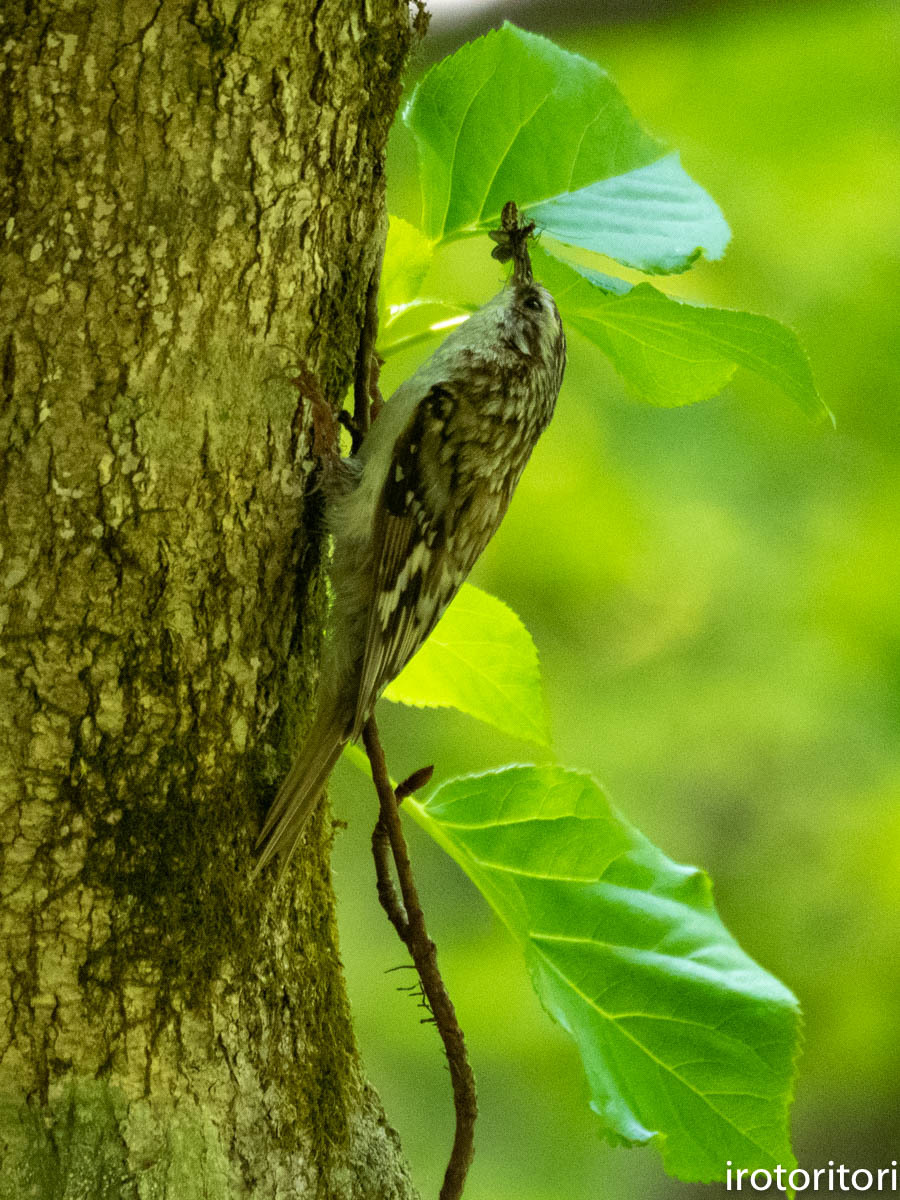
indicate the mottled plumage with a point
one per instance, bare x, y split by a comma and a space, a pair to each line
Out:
415, 508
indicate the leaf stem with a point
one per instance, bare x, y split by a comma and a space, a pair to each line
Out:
414, 339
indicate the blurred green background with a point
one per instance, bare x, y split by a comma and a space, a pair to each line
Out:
715, 595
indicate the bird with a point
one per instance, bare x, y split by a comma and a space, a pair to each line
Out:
413, 508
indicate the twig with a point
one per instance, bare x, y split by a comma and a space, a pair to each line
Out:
411, 928
366, 397
387, 893
381, 850
405, 911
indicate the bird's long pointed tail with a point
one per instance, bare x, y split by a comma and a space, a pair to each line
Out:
298, 795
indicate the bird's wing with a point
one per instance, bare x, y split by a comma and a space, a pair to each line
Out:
415, 575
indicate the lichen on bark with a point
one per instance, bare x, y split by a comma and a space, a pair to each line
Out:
192, 206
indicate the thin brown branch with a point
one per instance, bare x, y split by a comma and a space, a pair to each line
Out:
387, 893
381, 852
424, 955
366, 399
405, 911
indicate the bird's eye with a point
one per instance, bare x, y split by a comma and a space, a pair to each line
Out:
533, 303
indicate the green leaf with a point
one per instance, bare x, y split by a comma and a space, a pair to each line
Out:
512, 116
655, 218
671, 352
480, 659
685, 1040
407, 257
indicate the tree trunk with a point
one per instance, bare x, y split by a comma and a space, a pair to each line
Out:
193, 205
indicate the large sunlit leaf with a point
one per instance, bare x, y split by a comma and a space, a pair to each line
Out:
686, 1041
670, 352
481, 660
512, 116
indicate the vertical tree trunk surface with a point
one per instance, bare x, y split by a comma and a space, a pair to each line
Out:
191, 208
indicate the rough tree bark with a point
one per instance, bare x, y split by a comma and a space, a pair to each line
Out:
192, 205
